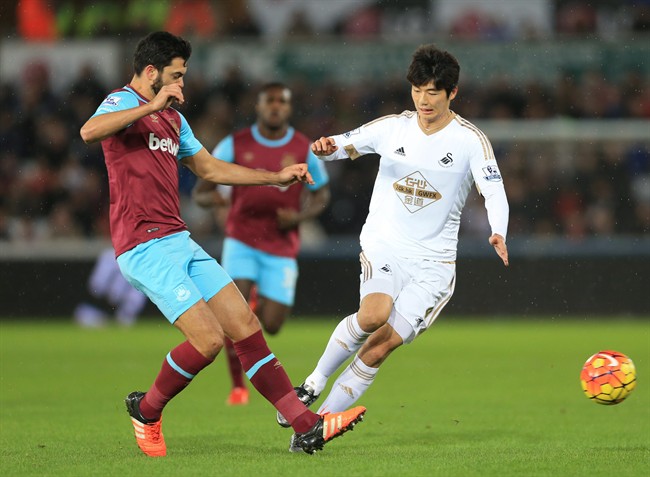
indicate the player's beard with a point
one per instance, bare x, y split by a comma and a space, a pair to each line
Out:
275, 124
157, 86
275, 127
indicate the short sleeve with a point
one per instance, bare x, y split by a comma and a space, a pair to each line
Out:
318, 172
117, 101
190, 145
225, 150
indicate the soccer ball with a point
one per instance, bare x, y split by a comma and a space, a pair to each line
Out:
608, 377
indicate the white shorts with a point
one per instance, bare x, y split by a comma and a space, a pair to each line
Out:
420, 288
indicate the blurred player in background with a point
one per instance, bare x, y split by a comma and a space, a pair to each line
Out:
429, 159
144, 139
109, 294
262, 237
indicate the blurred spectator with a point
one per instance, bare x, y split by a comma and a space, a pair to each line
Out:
366, 22
576, 17
54, 185
99, 18
192, 19
108, 294
35, 99
36, 20
640, 16
236, 19
496, 20
144, 16
477, 25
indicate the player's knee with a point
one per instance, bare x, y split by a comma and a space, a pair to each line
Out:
272, 328
371, 320
210, 345
272, 325
243, 325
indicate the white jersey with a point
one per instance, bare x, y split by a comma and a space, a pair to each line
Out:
423, 182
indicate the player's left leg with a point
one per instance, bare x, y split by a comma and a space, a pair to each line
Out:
261, 366
241, 263
268, 376
272, 314
361, 372
416, 308
381, 280
238, 395
276, 289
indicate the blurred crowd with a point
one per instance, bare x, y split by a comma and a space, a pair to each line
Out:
214, 19
52, 185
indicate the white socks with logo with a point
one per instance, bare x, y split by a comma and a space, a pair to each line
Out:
349, 386
346, 339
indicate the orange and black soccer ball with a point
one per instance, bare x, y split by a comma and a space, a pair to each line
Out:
608, 377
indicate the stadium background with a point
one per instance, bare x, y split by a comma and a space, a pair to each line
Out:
561, 87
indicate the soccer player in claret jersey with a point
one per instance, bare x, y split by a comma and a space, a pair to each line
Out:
429, 159
262, 239
144, 138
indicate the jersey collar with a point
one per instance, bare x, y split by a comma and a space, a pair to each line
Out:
283, 141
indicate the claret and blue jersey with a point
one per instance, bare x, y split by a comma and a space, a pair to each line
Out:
252, 218
142, 163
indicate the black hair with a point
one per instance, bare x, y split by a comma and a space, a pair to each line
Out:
432, 64
159, 49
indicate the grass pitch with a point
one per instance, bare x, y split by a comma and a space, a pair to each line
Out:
470, 397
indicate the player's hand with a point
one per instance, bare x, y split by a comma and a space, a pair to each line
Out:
287, 219
294, 173
324, 146
499, 244
167, 95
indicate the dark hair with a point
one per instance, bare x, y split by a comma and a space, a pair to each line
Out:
431, 64
159, 49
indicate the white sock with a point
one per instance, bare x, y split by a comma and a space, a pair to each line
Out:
349, 386
346, 339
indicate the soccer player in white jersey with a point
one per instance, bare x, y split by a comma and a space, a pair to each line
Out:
430, 158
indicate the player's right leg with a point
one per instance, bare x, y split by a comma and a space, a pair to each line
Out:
180, 366
159, 268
